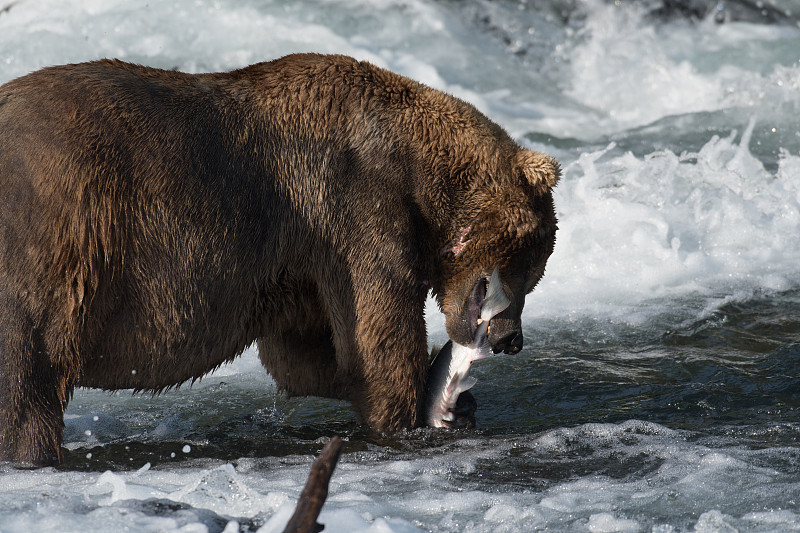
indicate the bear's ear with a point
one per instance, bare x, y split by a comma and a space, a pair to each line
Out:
540, 171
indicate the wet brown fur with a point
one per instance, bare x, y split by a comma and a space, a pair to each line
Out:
154, 223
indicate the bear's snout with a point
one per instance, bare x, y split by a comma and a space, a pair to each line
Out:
510, 343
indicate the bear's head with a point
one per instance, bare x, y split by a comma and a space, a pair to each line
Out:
507, 221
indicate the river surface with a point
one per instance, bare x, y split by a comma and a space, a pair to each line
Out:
659, 387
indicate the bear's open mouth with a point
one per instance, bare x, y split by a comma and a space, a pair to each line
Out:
475, 304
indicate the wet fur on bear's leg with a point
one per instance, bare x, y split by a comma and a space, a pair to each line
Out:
301, 363
33, 395
394, 364
311, 349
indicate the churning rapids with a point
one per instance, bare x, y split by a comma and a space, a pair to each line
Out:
659, 388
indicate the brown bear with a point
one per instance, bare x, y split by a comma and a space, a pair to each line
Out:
154, 223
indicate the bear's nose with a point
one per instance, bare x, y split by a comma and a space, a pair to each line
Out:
511, 343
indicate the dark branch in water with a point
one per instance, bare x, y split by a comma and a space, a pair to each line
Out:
304, 519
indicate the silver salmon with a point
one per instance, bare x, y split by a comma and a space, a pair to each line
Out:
447, 377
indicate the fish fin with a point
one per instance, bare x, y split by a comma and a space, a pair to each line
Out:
466, 384
496, 300
483, 351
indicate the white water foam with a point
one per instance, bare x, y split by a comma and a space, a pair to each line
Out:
192, 36
216, 36
634, 72
438, 490
668, 225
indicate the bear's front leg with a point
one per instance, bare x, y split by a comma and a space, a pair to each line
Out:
32, 397
385, 354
